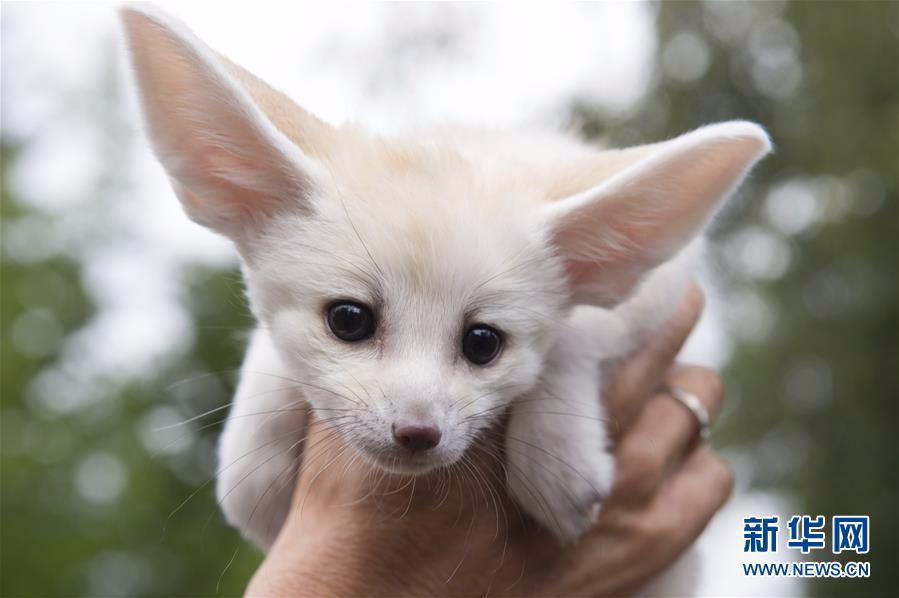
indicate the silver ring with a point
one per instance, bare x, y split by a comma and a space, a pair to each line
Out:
695, 406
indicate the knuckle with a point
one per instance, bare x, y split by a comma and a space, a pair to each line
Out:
663, 530
646, 461
722, 477
638, 476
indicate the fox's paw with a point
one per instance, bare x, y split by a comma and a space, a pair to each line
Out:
562, 492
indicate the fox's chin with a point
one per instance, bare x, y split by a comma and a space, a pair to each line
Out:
403, 462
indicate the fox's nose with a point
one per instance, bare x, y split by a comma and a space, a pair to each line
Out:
415, 436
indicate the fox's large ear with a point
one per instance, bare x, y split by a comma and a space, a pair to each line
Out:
229, 165
610, 236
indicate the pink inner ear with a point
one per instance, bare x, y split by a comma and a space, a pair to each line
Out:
232, 166
229, 163
605, 286
614, 234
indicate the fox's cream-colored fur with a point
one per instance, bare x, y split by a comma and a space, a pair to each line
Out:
572, 252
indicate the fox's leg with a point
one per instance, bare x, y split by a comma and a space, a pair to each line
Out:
259, 450
559, 467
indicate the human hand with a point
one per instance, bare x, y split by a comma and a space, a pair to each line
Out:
352, 532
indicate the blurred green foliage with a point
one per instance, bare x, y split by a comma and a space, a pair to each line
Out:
162, 535
812, 381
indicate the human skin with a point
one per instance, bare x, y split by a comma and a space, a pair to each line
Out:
351, 533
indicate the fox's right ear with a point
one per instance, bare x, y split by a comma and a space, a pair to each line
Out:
612, 235
230, 166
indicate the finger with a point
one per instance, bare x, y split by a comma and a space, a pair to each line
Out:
637, 376
704, 384
651, 537
689, 499
665, 430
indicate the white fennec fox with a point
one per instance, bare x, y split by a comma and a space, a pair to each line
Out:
422, 287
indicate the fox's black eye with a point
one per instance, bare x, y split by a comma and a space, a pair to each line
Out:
350, 322
481, 344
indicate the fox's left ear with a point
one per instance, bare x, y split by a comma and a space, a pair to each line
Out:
610, 236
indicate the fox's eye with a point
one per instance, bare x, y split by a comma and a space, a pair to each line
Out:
481, 344
350, 322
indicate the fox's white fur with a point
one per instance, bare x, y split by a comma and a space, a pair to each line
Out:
571, 251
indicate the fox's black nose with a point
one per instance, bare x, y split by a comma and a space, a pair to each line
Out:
416, 437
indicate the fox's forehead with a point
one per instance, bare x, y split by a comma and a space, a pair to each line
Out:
431, 168
424, 215
426, 247
414, 227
